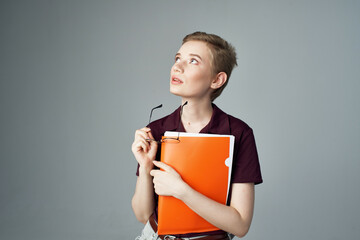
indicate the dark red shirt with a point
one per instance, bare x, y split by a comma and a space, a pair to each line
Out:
246, 167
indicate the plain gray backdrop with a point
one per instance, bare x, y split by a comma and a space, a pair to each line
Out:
79, 77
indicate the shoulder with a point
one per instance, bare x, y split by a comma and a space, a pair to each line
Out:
238, 126
242, 132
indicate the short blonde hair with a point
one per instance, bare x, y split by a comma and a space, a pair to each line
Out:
223, 54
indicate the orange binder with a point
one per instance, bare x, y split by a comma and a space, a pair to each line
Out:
204, 162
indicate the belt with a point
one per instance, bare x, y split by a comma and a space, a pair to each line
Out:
154, 226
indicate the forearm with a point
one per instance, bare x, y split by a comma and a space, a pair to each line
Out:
227, 218
143, 202
235, 218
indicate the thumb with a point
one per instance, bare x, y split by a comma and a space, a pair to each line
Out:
153, 146
165, 167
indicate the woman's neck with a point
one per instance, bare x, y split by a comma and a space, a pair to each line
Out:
196, 114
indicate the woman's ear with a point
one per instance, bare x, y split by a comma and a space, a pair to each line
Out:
219, 80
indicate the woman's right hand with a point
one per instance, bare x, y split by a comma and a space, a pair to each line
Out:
143, 150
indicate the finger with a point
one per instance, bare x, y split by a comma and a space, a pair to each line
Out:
154, 172
142, 140
141, 134
153, 148
146, 129
153, 144
164, 166
142, 145
150, 135
143, 130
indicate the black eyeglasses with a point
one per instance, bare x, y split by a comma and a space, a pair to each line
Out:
167, 139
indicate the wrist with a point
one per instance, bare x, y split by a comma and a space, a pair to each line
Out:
145, 169
183, 190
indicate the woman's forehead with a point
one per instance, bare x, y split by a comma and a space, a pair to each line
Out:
195, 48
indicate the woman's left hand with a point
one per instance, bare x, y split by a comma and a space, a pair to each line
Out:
167, 182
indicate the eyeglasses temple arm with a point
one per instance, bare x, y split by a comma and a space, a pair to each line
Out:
153, 110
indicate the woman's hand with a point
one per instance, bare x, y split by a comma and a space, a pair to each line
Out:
143, 150
167, 182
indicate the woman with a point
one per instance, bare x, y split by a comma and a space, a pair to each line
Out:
201, 70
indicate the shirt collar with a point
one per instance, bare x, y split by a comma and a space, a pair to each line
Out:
219, 122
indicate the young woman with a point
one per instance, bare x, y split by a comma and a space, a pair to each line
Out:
201, 70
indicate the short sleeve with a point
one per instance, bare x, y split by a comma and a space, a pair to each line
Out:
246, 166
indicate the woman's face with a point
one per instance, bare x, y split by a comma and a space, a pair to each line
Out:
192, 73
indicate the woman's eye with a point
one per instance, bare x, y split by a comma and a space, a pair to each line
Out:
177, 59
194, 61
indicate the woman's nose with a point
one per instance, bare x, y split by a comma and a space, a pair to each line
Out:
178, 67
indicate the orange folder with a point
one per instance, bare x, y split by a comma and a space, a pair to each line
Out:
204, 162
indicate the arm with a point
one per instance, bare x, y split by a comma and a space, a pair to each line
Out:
235, 218
143, 202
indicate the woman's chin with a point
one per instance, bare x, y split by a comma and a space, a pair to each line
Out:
175, 92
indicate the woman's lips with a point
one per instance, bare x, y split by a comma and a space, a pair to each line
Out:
176, 81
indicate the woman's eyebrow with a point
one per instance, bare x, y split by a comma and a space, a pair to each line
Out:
191, 54
195, 55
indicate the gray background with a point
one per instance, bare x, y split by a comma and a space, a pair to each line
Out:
78, 77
